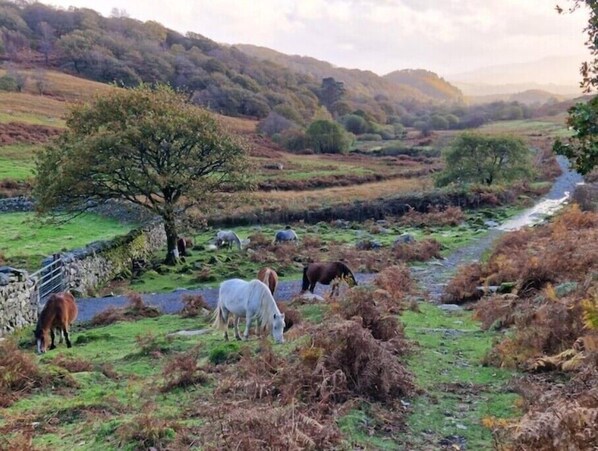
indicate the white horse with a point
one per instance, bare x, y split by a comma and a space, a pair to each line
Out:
287, 234
252, 300
227, 237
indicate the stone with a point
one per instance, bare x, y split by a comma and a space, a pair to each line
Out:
406, 238
450, 307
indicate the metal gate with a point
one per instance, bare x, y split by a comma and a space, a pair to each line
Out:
49, 279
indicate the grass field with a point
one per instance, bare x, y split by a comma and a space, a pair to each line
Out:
17, 161
25, 240
111, 394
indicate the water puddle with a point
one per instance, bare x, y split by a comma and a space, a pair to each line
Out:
558, 197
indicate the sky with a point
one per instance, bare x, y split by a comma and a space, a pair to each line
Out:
445, 36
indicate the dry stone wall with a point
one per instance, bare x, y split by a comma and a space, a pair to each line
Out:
85, 270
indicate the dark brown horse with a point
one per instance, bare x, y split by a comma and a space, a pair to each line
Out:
325, 273
59, 313
269, 277
183, 245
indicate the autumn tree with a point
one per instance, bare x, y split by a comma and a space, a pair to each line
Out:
327, 137
143, 145
476, 158
582, 147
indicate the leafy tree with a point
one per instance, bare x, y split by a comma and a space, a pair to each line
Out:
143, 145
582, 148
355, 124
328, 137
475, 158
330, 91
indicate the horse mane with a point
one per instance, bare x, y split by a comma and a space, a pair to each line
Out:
345, 270
268, 305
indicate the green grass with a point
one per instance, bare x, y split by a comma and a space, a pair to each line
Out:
527, 126
17, 161
458, 390
25, 239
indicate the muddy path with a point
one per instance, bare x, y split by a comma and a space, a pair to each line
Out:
432, 276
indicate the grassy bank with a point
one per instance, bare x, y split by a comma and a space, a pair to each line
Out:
25, 239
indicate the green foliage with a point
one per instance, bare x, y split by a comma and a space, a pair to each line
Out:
328, 137
355, 124
7, 83
582, 148
143, 145
475, 158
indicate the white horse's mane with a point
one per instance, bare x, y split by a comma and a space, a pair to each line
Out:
268, 305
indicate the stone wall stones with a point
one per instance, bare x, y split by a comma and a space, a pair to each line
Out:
85, 270
18, 305
16, 204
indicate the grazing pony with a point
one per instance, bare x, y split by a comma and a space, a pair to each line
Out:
287, 234
252, 300
59, 313
325, 273
227, 237
269, 277
183, 245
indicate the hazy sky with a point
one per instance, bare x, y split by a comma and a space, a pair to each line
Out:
446, 36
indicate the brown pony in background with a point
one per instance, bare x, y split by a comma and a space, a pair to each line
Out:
325, 273
269, 277
59, 313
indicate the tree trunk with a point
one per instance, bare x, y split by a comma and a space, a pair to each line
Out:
172, 253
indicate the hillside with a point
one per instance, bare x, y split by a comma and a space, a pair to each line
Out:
231, 80
426, 82
398, 85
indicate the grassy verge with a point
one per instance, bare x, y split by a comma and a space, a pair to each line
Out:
459, 392
17, 161
25, 239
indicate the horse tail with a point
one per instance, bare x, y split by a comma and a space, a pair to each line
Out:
237, 240
305, 285
219, 322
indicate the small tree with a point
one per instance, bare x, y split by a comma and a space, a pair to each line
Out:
328, 137
582, 147
143, 145
475, 158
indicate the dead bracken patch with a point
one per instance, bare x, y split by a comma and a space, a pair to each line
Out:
193, 305
137, 309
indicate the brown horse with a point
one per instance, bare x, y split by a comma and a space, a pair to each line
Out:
325, 273
269, 277
59, 313
183, 245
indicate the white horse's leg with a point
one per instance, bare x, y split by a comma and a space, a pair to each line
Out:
237, 320
225, 318
248, 317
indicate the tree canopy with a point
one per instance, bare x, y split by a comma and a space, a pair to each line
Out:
476, 158
328, 137
582, 148
144, 145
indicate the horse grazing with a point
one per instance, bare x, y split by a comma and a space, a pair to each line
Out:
59, 313
252, 300
269, 277
227, 237
325, 273
183, 245
287, 234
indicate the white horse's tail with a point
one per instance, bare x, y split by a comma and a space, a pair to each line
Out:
219, 322
237, 240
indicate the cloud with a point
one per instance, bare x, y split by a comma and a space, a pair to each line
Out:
381, 35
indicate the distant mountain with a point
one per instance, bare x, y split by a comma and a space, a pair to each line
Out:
418, 85
528, 97
556, 75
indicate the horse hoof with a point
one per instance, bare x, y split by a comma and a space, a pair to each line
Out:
52, 347
68, 345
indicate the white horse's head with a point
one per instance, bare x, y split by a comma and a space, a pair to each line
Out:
278, 327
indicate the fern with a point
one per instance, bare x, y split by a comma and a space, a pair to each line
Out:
590, 311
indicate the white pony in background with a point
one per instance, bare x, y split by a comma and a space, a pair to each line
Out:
251, 300
227, 237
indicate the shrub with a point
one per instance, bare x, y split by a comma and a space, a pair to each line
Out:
72, 364
463, 287
183, 370
137, 309
419, 251
436, 216
7, 83
327, 137
224, 353
193, 305
396, 280
146, 432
